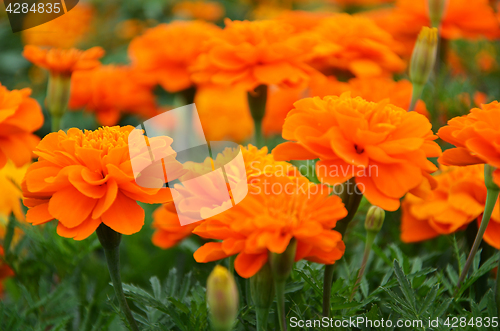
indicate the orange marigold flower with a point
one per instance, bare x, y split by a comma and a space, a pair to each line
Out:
199, 10
257, 162
83, 179
255, 53
476, 138
224, 112
164, 54
65, 31
276, 209
371, 89
458, 200
20, 116
355, 44
109, 91
384, 147
63, 61
460, 20
280, 101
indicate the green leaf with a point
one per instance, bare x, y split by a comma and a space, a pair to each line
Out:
405, 286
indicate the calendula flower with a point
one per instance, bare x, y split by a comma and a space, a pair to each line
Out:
276, 210
20, 116
384, 147
458, 200
65, 31
256, 163
224, 112
355, 44
110, 91
83, 179
63, 61
255, 53
164, 54
199, 10
475, 136
461, 20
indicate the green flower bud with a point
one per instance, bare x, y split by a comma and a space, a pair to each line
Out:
436, 11
222, 299
424, 56
374, 219
282, 264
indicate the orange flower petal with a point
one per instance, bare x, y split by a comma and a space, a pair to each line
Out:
124, 215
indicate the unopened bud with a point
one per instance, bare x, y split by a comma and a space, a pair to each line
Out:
282, 264
374, 219
222, 299
424, 56
436, 11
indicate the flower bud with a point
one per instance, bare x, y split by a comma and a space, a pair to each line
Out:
222, 299
374, 219
424, 56
436, 11
282, 264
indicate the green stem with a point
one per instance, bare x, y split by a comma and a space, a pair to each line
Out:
327, 288
262, 315
257, 100
491, 199
58, 93
231, 264
415, 96
9, 235
351, 200
262, 291
370, 238
280, 295
110, 241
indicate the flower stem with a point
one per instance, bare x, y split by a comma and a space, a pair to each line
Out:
110, 241
9, 235
262, 315
257, 100
351, 200
280, 295
491, 199
370, 238
262, 292
58, 93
